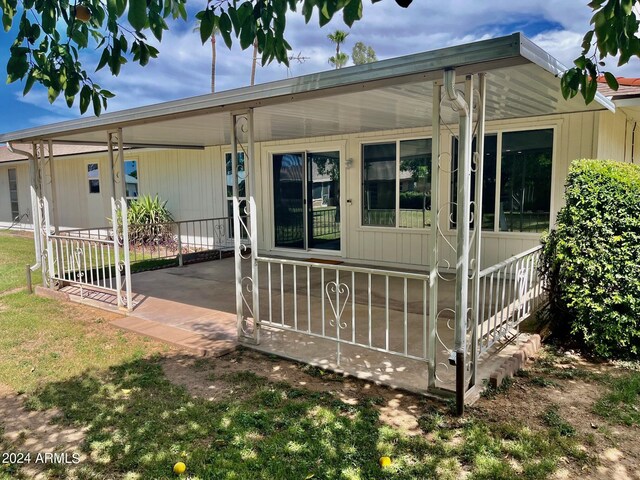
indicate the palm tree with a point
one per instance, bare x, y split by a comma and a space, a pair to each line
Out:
254, 62
213, 54
340, 59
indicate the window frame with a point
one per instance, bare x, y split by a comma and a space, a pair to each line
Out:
137, 160
499, 131
15, 213
381, 141
97, 164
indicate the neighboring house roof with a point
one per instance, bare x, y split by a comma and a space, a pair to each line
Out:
627, 87
59, 150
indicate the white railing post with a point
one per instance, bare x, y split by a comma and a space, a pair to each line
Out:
125, 246
180, 259
116, 251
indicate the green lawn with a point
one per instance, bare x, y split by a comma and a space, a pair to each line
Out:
138, 423
16, 251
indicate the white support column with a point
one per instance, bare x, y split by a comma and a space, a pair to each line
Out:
125, 253
435, 252
482, 88
465, 113
250, 169
237, 240
116, 250
42, 214
53, 202
247, 292
112, 172
34, 173
121, 171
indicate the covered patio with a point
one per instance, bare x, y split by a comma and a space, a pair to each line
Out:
177, 305
427, 329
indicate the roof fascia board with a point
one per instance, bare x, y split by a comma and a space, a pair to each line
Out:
469, 58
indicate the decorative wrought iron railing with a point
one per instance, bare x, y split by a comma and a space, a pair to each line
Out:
93, 258
184, 241
376, 309
510, 292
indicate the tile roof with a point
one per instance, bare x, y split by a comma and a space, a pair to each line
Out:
627, 87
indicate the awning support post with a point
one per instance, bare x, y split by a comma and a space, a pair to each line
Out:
51, 183
245, 225
120, 218
465, 112
479, 169
35, 187
435, 251
116, 163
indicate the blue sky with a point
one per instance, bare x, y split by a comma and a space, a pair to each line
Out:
183, 68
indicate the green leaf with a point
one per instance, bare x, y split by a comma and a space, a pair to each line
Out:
104, 58
611, 81
138, 14
52, 94
85, 98
121, 6
224, 23
97, 106
28, 83
352, 12
207, 23
247, 33
7, 21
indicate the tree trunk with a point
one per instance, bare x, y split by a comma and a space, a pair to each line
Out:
213, 63
254, 62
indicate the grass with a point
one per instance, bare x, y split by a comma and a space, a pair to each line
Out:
138, 424
16, 251
621, 404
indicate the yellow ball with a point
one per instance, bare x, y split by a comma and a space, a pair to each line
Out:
385, 462
179, 468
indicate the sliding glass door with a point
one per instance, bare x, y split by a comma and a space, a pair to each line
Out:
306, 200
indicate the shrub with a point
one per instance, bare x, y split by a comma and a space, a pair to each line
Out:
150, 222
591, 261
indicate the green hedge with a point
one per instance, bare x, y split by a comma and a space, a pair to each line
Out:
592, 259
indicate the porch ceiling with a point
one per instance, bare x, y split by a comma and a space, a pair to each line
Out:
391, 94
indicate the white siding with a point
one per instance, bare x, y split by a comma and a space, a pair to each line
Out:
614, 141
193, 183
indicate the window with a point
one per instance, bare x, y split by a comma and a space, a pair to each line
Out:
525, 181
522, 183
131, 178
396, 184
488, 181
93, 175
13, 193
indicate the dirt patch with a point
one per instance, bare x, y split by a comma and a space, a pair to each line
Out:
36, 433
212, 380
614, 450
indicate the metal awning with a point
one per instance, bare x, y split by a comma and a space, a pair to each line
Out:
522, 81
